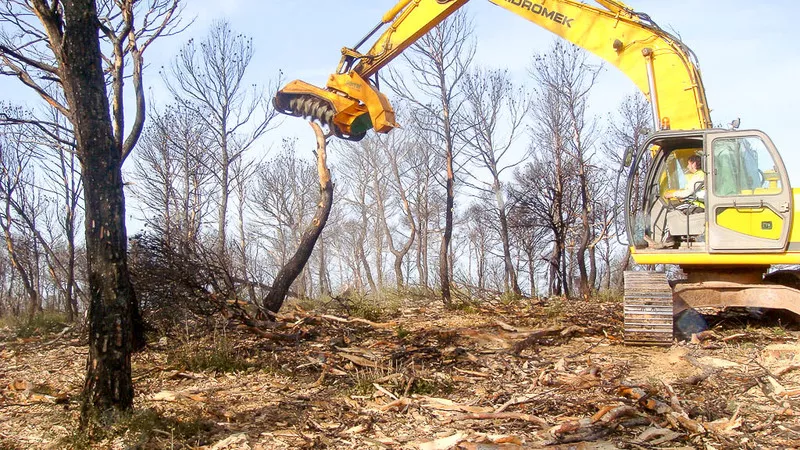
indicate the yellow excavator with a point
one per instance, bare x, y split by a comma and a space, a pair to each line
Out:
716, 202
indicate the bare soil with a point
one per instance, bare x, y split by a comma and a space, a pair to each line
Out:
500, 376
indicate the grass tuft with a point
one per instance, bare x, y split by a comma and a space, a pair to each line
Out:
219, 355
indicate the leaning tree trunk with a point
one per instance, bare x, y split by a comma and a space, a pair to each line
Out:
290, 271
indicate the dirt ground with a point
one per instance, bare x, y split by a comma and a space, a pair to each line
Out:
499, 376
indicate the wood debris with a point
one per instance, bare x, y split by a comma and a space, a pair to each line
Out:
508, 377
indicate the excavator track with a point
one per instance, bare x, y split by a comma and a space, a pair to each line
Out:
648, 308
313, 108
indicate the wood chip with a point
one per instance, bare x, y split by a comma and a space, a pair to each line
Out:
364, 362
443, 404
444, 443
472, 372
541, 423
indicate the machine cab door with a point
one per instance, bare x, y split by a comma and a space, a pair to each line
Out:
749, 199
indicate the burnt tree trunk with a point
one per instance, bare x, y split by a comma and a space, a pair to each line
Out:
113, 310
289, 272
444, 249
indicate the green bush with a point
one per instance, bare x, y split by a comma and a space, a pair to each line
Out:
608, 296
555, 307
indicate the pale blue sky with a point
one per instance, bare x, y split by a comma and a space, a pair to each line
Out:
748, 61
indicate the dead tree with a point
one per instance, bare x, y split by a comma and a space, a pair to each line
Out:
67, 182
401, 154
209, 79
289, 272
360, 198
544, 192
564, 70
283, 199
59, 188
425, 198
496, 110
479, 233
438, 62
242, 176
50, 40
173, 174
16, 183
627, 131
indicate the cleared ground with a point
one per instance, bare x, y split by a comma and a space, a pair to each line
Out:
499, 376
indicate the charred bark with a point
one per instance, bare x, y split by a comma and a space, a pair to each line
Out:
113, 311
289, 272
444, 249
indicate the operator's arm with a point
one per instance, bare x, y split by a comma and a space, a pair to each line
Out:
694, 186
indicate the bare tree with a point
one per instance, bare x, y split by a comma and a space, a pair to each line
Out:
64, 172
400, 156
243, 178
210, 82
157, 173
425, 198
480, 239
627, 131
496, 110
437, 63
50, 136
528, 235
565, 72
173, 176
16, 189
282, 200
59, 42
360, 198
543, 191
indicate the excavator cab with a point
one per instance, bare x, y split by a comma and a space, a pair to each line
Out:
744, 204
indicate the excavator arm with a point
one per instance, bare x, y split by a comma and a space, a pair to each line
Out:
657, 62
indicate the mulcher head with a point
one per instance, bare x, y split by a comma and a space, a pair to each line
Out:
348, 106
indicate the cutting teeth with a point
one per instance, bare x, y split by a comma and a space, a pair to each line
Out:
312, 108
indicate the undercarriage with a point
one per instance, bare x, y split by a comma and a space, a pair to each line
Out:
652, 301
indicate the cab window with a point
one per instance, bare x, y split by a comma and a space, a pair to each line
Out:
744, 166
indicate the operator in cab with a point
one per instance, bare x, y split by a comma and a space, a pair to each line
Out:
695, 183
684, 212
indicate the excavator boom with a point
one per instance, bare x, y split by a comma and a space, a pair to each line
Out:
660, 65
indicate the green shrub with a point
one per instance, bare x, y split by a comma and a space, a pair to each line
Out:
466, 307
608, 296
510, 298
439, 384
555, 307
42, 323
402, 333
